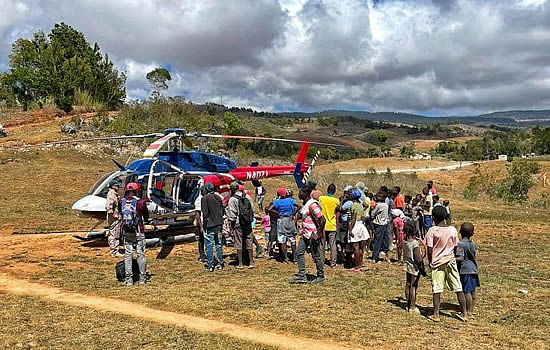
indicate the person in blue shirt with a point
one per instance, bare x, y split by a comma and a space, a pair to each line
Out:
467, 265
286, 208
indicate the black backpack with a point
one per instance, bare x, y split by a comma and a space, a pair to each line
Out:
246, 213
121, 272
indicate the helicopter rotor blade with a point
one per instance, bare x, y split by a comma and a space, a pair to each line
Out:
124, 137
264, 138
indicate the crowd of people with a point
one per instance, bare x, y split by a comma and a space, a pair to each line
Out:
350, 227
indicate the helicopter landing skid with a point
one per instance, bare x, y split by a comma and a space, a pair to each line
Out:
92, 235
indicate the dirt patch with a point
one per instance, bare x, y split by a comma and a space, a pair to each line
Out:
21, 287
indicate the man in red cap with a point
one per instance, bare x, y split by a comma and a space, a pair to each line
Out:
133, 214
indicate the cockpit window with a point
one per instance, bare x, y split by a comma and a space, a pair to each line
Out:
99, 182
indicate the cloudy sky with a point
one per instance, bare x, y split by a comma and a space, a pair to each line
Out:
428, 56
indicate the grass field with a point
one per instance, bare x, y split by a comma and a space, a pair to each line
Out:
353, 309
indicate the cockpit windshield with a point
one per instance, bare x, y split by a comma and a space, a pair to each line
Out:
99, 182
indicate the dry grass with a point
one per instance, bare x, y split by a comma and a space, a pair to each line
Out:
380, 164
29, 322
426, 145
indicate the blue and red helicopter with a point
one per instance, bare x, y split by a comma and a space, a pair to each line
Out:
172, 179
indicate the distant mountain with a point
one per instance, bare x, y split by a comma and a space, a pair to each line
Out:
506, 118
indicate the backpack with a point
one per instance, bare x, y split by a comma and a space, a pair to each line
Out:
121, 271
246, 213
128, 216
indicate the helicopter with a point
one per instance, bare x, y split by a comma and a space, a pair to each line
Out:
172, 180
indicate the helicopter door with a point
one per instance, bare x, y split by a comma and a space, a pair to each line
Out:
188, 192
161, 185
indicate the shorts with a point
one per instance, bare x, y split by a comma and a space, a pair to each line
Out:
469, 282
446, 274
286, 230
260, 200
267, 234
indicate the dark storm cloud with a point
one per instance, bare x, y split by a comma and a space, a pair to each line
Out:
450, 56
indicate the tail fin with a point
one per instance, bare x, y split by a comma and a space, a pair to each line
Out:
302, 153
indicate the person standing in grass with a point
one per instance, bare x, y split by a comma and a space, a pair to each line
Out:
418, 217
342, 238
113, 218
408, 209
212, 217
427, 205
358, 233
467, 264
286, 209
330, 205
266, 225
399, 200
441, 241
242, 229
447, 205
431, 189
398, 220
380, 222
259, 195
313, 230
414, 266
134, 214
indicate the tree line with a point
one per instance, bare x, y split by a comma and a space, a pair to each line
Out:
56, 68
494, 143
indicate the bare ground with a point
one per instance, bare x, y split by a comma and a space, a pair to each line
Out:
21, 287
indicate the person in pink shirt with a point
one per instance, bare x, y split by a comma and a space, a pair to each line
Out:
442, 241
266, 225
398, 220
431, 188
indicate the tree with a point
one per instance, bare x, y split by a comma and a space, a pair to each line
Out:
382, 137
158, 78
231, 126
58, 65
27, 69
7, 97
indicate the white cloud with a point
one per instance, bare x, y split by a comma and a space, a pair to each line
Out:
450, 56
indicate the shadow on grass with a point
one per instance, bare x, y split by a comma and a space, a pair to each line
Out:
446, 309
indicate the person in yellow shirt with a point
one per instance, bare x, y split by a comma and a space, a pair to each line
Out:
330, 206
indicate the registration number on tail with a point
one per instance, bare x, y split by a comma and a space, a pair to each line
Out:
255, 175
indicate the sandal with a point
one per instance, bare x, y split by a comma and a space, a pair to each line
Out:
433, 318
461, 317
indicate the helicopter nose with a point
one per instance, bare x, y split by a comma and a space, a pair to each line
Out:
89, 203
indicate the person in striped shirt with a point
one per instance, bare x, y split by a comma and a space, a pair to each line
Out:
312, 233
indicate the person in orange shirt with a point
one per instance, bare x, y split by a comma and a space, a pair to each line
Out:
399, 200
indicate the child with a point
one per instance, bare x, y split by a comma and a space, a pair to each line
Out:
467, 265
266, 224
417, 216
408, 206
414, 266
441, 241
398, 223
447, 206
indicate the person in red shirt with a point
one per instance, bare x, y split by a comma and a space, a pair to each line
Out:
399, 200
431, 188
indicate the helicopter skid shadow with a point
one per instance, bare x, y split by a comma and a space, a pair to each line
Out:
95, 244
